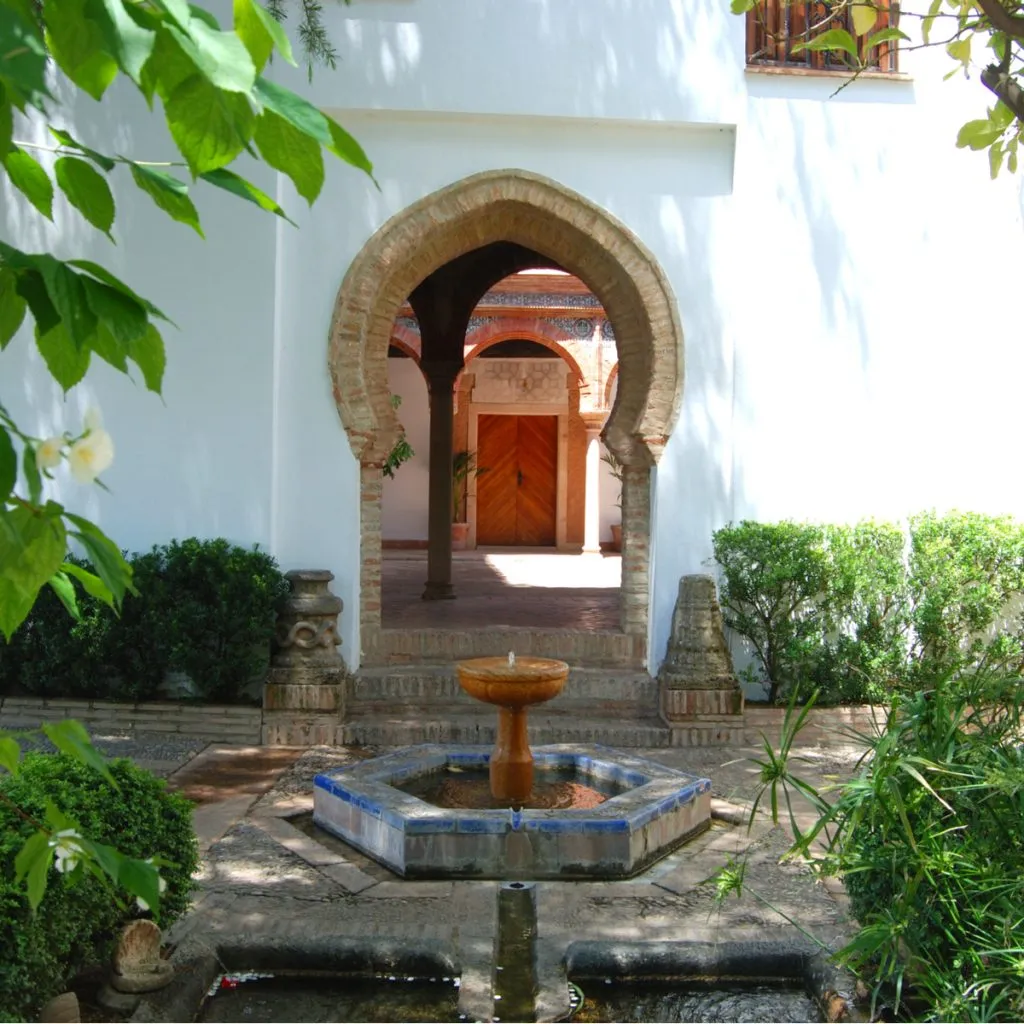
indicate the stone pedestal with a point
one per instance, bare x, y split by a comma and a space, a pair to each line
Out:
701, 699
304, 696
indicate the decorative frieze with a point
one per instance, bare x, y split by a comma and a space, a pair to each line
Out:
504, 381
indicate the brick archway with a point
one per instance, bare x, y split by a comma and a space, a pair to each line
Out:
536, 212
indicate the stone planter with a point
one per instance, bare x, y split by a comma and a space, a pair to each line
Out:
616, 537
460, 536
303, 700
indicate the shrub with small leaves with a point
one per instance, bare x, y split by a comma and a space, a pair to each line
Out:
78, 918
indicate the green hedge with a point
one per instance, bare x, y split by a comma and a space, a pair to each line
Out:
860, 611
77, 922
205, 608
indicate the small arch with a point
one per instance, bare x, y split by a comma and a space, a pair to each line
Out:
613, 376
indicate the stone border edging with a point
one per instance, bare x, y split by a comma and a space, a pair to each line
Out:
215, 723
197, 966
832, 988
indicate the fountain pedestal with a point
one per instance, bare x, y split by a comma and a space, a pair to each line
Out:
513, 684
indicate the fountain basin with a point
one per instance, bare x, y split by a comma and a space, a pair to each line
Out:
657, 810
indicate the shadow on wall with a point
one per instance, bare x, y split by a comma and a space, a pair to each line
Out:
671, 60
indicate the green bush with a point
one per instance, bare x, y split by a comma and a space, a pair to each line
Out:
77, 921
205, 608
773, 579
858, 612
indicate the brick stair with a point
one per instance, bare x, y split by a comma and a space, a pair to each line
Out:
424, 704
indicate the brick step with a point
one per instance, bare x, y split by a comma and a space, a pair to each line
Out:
472, 726
421, 683
578, 647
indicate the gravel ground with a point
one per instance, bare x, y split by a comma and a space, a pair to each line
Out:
158, 752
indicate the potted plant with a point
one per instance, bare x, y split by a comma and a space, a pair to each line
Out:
616, 470
463, 464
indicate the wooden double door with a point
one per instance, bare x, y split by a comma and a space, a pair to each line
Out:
517, 498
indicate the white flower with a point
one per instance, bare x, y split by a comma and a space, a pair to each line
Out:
93, 419
66, 850
49, 452
162, 888
91, 455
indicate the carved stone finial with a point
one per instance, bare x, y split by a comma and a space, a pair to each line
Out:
698, 656
697, 679
304, 698
307, 628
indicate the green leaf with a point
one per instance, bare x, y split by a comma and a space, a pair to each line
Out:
65, 590
124, 317
68, 298
742, 6
29, 178
131, 43
77, 44
71, 738
108, 859
995, 160
960, 49
32, 546
291, 151
142, 880
6, 122
10, 753
66, 362
864, 17
23, 69
261, 32
169, 193
104, 275
105, 556
344, 146
32, 288
8, 465
87, 191
929, 19
12, 306
885, 35
177, 10
167, 68
295, 109
834, 39
109, 349
147, 352
66, 139
92, 584
978, 135
221, 57
210, 127
33, 864
30, 470
239, 186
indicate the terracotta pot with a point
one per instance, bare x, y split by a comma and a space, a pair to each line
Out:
617, 537
460, 536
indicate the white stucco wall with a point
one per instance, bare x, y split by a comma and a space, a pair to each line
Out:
405, 496
837, 265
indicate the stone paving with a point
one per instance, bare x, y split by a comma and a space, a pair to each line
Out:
263, 875
506, 587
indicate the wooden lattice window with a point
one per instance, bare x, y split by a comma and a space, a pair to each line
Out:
775, 27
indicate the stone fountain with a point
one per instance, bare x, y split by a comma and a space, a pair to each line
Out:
559, 811
513, 686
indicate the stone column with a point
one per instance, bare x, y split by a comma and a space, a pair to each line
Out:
701, 699
304, 696
440, 381
592, 494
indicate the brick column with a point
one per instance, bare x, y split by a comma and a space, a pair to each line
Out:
440, 381
636, 542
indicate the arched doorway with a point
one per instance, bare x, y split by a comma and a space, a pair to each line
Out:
525, 210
